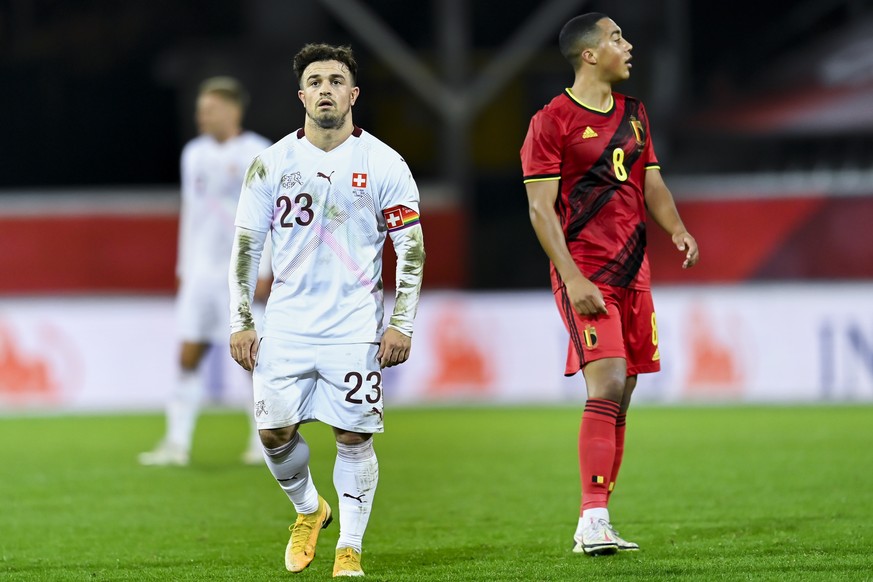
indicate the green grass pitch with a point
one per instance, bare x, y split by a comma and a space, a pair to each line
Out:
491, 494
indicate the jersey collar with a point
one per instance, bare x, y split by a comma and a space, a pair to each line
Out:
356, 132
606, 111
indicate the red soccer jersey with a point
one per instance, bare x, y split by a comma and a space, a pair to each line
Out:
600, 158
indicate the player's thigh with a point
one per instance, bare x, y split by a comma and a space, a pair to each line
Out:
283, 383
191, 353
592, 337
202, 312
350, 393
641, 332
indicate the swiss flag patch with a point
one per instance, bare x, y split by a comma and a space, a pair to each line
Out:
398, 217
359, 180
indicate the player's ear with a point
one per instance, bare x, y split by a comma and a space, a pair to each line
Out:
300, 96
355, 92
588, 56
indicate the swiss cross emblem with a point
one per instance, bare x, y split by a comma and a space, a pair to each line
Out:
359, 180
394, 218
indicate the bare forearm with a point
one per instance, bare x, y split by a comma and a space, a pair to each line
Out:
660, 204
551, 236
585, 297
663, 210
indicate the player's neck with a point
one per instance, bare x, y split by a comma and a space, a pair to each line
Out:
328, 139
592, 92
223, 136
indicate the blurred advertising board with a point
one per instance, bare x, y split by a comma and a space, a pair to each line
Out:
750, 343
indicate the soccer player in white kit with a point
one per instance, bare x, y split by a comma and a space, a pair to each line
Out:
212, 166
327, 194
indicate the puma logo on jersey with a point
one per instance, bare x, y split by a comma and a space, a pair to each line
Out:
588, 133
325, 176
359, 498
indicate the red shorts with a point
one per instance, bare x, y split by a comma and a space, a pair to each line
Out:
629, 331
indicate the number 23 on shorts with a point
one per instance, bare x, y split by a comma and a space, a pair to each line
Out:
364, 388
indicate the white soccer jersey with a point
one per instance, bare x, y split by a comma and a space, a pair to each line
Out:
324, 212
212, 176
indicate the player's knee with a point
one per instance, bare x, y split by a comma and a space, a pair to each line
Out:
273, 438
350, 438
608, 388
191, 355
189, 364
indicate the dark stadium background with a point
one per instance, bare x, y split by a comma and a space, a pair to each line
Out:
748, 454
99, 94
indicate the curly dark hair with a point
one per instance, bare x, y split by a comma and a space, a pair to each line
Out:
315, 52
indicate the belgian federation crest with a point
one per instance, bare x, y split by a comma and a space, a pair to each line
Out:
589, 336
639, 130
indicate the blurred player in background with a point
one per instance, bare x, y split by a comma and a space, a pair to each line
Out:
212, 166
591, 173
328, 194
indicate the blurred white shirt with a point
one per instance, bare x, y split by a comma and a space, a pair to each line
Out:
212, 178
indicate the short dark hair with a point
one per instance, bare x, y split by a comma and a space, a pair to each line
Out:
227, 88
579, 34
315, 52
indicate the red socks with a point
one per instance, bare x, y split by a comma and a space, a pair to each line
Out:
620, 422
598, 461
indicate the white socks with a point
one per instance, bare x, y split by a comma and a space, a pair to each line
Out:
183, 408
355, 476
289, 464
589, 515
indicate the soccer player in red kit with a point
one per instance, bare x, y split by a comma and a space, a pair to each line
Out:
591, 173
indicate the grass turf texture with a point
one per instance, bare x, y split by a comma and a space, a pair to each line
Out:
746, 493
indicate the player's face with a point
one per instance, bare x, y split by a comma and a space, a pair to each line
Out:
613, 52
217, 116
327, 93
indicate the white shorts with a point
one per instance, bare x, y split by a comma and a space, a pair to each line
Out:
339, 385
203, 310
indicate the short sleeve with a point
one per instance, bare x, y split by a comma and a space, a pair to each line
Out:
541, 151
187, 171
650, 160
255, 208
399, 187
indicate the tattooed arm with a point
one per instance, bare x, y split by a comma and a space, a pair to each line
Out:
397, 339
243, 277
